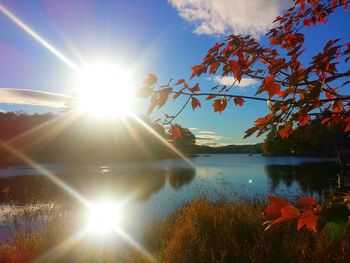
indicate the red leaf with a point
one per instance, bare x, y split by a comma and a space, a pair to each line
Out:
274, 41
151, 79
215, 47
213, 67
325, 120
286, 130
308, 218
195, 103
303, 119
307, 22
347, 127
288, 213
239, 101
210, 97
198, 70
195, 88
307, 202
270, 87
175, 132
274, 209
220, 105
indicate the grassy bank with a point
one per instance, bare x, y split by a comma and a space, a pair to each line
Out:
201, 231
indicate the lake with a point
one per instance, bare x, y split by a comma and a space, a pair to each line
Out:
154, 190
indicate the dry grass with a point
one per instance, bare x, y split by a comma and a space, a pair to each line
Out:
201, 231
204, 231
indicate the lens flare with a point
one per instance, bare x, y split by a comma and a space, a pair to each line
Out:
104, 217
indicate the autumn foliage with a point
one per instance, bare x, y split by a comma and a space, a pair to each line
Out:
295, 89
281, 211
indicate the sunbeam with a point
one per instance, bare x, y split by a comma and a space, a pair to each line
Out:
63, 120
164, 141
56, 252
136, 245
37, 37
45, 172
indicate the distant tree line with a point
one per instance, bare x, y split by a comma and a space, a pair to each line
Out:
227, 149
313, 139
82, 138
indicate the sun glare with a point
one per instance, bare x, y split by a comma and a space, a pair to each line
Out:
105, 90
104, 217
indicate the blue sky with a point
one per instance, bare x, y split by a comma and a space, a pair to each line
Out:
158, 36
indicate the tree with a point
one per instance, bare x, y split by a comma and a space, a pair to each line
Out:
295, 92
312, 139
186, 142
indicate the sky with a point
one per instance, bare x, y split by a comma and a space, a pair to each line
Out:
157, 36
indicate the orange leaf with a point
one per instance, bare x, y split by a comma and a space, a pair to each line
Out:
239, 101
177, 94
144, 92
213, 67
220, 105
195, 88
286, 130
179, 81
195, 103
151, 79
197, 70
210, 97
163, 97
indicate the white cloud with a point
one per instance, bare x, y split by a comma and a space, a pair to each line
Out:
210, 17
208, 138
228, 81
33, 97
206, 132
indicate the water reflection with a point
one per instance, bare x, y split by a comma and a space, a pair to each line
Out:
311, 177
180, 177
93, 182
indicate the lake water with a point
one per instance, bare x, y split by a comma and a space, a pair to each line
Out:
154, 190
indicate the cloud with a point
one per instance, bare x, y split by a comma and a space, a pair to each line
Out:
227, 80
210, 17
206, 132
33, 97
208, 138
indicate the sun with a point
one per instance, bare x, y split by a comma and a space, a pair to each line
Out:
104, 217
105, 89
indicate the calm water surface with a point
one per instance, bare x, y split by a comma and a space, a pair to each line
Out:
153, 190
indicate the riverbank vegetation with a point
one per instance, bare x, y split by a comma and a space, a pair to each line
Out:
200, 231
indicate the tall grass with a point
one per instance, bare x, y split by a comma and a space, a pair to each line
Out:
201, 231
205, 231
